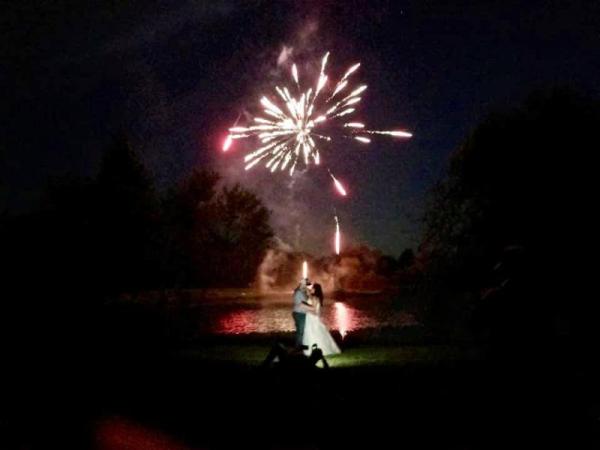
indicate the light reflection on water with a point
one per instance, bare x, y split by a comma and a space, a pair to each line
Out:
343, 318
272, 315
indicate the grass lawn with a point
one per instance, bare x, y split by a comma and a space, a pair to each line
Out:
363, 356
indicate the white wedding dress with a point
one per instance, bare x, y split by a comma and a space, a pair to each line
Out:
315, 332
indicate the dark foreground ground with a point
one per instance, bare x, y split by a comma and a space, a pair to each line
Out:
216, 396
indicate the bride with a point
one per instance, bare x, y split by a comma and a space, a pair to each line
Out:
315, 331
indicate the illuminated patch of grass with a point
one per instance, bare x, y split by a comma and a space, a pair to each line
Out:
400, 355
355, 357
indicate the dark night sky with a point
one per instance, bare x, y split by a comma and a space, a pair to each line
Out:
175, 75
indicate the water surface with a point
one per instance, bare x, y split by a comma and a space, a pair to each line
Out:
272, 314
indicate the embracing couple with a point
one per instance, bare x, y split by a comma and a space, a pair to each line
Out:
310, 330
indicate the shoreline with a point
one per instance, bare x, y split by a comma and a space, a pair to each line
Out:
208, 294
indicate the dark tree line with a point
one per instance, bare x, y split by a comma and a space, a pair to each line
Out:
115, 233
509, 228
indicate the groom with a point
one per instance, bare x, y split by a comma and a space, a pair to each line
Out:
301, 307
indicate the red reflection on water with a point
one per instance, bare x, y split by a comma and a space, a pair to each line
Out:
249, 321
343, 318
238, 322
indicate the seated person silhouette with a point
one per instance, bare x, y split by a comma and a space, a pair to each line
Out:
294, 358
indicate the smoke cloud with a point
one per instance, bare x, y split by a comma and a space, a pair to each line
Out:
356, 270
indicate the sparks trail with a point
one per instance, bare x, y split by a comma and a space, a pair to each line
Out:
293, 124
337, 239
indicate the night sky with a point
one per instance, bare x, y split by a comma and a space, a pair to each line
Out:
176, 75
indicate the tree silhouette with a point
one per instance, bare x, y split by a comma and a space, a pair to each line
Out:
126, 220
217, 237
406, 259
187, 211
113, 234
240, 234
521, 179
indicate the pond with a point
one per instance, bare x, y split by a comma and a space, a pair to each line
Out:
243, 314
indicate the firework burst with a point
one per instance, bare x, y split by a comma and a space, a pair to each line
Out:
296, 126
